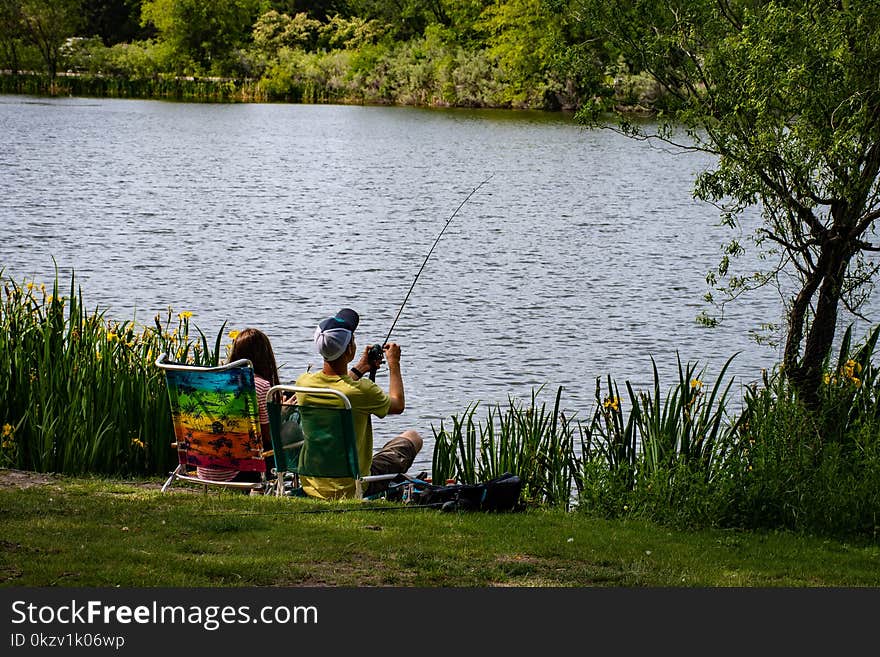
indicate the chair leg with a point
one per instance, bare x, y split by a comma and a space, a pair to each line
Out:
171, 479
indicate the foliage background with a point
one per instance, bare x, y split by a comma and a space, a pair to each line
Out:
515, 54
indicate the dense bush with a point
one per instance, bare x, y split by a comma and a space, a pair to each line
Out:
775, 464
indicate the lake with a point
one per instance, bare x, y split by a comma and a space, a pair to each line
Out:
583, 255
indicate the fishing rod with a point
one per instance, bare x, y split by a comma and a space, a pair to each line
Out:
377, 350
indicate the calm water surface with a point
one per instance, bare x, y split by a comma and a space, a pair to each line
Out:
584, 255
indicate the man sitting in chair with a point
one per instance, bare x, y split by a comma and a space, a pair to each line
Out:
335, 341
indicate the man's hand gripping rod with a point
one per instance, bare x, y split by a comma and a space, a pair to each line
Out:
377, 351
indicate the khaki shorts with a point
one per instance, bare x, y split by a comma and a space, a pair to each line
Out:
397, 455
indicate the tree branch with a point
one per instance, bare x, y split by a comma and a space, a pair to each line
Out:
865, 222
727, 12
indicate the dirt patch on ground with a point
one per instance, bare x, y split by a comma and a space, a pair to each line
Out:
24, 479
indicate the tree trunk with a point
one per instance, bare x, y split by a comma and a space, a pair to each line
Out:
805, 372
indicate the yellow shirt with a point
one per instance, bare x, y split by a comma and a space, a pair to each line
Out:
366, 399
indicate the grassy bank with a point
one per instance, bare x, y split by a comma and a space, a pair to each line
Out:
94, 532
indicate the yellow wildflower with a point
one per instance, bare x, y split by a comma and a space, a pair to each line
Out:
30, 286
612, 402
856, 382
827, 379
137, 443
7, 430
233, 334
696, 383
112, 337
186, 314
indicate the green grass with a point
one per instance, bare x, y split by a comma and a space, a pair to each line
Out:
100, 533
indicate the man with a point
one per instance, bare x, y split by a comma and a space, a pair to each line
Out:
335, 341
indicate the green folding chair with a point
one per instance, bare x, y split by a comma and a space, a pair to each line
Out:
216, 423
314, 440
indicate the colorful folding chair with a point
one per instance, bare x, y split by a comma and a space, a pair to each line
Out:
315, 439
216, 423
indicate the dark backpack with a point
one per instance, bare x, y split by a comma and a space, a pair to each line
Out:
499, 494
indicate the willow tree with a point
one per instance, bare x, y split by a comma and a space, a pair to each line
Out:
787, 96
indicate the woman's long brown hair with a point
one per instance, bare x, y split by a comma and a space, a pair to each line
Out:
254, 345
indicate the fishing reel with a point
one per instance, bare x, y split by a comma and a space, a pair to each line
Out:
376, 355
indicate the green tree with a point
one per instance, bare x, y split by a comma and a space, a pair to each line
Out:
349, 33
274, 31
11, 34
320, 10
408, 18
524, 36
115, 21
786, 95
203, 33
48, 24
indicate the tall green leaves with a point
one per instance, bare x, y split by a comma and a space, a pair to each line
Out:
80, 393
668, 440
532, 441
689, 426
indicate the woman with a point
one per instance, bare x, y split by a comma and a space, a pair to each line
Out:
253, 345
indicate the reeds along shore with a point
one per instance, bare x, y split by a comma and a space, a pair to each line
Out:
689, 455
219, 90
79, 393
